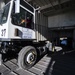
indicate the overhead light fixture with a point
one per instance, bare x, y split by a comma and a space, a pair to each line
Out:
38, 9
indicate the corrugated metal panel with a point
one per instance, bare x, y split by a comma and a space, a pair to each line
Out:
60, 20
41, 26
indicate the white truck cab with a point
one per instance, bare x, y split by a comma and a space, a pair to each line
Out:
17, 32
11, 26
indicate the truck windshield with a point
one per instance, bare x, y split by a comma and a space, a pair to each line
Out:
23, 19
4, 14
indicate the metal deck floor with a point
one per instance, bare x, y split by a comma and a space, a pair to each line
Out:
54, 64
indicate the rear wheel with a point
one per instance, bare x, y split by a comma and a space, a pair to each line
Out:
27, 57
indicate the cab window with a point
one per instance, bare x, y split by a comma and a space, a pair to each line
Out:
24, 18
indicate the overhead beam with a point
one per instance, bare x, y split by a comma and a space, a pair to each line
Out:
42, 3
64, 9
37, 2
59, 2
53, 4
28, 0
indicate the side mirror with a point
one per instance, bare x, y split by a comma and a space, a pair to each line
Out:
17, 6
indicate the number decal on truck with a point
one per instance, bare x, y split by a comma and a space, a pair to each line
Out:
3, 32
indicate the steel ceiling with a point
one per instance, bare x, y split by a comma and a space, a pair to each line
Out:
48, 7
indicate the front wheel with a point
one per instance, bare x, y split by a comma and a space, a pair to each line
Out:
27, 57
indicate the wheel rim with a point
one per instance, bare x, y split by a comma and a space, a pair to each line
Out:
31, 57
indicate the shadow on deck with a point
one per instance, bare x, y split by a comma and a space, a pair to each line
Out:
61, 63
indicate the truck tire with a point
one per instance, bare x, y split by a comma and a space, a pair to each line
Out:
27, 57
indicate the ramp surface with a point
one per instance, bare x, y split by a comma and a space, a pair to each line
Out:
60, 63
